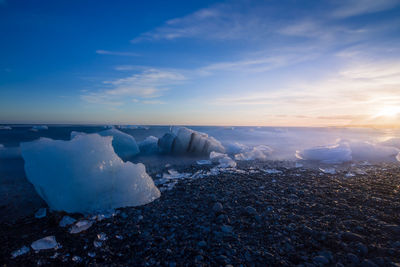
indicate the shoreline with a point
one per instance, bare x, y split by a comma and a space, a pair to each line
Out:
291, 217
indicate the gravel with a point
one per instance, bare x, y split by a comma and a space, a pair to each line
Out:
292, 217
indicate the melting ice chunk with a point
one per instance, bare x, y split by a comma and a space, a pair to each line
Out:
261, 152
20, 251
66, 220
328, 170
81, 226
149, 145
124, 144
85, 175
226, 162
48, 242
326, 154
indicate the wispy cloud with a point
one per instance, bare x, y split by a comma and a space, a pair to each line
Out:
220, 22
359, 7
150, 83
116, 53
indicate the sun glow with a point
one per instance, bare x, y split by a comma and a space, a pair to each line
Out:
390, 111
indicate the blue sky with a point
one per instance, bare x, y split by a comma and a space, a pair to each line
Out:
308, 63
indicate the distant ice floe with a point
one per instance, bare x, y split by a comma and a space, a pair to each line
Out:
338, 153
9, 152
133, 127
39, 127
124, 144
393, 142
85, 175
345, 151
366, 151
149, 145
3, 127
186, 141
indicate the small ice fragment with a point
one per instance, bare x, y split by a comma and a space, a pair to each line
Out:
349, 174
55, 255
120, 237
66, 220
97, 244
298, 165
271, 171
204, 162
328, 170
48, 242
76, 259
20, 252
173, 174
226, 162
102, 236
360, 171
92, 254
216, 156
80, 226
41, 213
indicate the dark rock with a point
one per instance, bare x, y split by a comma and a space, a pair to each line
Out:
217, 208
320, 260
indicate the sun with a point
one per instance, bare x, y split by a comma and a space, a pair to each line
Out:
389, 111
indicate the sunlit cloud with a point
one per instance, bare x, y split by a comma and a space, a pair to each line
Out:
357, 95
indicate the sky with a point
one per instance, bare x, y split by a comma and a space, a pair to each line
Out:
266, 63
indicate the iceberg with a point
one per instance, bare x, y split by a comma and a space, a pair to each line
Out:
338, 153
124, 144
85, 175
398, 157
3, 127
187, 141
149, 145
